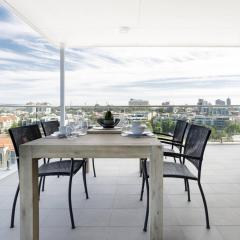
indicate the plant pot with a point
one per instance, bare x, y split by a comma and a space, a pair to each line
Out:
108, 123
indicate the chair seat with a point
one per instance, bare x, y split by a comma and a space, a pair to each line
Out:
175, 170
59, 168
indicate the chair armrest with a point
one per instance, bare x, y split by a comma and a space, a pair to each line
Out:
177, 144
165, 134
166, 142
164, 139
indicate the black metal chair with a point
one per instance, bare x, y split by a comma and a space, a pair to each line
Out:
69, 168
194, 148
175, 139
49, 128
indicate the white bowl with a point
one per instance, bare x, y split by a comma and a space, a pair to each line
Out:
137, 129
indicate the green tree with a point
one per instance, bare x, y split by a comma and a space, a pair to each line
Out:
232, 128
162, 125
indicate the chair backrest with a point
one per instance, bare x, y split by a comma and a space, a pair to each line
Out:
24, 134
179, 131
50, 127
195, 144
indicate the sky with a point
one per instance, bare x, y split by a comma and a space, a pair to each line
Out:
29, 71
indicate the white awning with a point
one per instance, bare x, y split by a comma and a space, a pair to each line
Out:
85, 23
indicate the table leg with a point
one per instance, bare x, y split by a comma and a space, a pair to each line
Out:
156, 194
29, 206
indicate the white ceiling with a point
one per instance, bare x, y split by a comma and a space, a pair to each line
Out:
83, 23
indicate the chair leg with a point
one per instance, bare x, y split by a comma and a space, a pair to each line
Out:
205, 205
142, 190
44, 178
147, 209
14, 207
140, 167
188, 190
84, 169
185, 184
93, 164
43, 184
39, 187
70, 201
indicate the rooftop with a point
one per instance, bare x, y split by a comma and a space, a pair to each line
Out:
5, 141
115, 212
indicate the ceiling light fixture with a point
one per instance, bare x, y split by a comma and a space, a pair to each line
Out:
124, 29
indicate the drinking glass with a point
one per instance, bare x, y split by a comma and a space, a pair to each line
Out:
83, 126
125, 126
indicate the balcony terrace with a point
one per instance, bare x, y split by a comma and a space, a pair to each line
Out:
115, 212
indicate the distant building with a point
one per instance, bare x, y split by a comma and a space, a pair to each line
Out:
168, 108
221, 122
203, 106
44, 107
165, 103
202, 102
202, 120
6, 121
29, 107
217, 121
219, 102
221, 111
7, 154
228, 101
138, 102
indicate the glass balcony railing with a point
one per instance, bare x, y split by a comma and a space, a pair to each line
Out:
222, 119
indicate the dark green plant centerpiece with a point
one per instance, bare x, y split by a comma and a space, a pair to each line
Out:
108, 121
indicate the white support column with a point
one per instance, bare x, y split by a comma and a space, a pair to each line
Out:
62, 85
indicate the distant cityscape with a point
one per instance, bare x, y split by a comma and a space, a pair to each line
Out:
222, 117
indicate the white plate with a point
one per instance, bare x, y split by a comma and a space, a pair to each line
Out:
131, 134
102, 128
55, 134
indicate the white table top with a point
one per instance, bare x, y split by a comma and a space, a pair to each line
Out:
97, 140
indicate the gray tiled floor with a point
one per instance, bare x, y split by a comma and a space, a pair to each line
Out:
115, 212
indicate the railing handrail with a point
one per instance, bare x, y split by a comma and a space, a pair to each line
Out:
118, 106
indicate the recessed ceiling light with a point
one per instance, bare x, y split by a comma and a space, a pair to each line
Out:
124, 29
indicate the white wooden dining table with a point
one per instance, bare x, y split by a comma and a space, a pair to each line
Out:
88, 146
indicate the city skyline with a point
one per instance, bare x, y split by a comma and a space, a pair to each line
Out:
29, 70
142, 102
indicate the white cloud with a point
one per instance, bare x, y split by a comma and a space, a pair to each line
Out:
117, 82
13, 29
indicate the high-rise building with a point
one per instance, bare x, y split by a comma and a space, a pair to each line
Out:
138, 102
165, 103
202, 102
168, 108
228, 101
203, 106
219, 102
